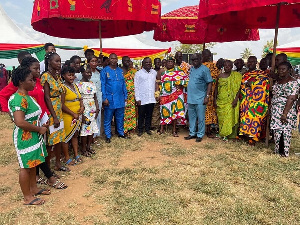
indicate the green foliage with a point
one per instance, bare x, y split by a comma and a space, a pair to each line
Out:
268, 45
189, 49
246, 54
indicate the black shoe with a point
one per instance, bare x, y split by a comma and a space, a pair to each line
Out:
107, 140
189, 137
123, 136
198, 139
140, 133
149, 132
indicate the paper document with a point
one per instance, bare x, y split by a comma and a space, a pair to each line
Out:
53, 129
44, 119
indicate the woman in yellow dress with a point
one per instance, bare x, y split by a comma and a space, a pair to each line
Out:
72, 107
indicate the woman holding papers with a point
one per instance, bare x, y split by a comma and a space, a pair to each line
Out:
53, 88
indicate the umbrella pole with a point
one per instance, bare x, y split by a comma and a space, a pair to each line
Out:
273, 69
203, 46
100, 37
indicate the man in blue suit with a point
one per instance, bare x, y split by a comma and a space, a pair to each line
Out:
114, 96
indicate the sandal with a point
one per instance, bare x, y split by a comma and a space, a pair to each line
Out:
43, 192
175, 134
58, 185
41, 181
54, 175
63, 169
70, 162
92, 151
78, 159
87, 154
41, 202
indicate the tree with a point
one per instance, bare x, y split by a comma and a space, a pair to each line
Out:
267, 46
190, 49
246, 54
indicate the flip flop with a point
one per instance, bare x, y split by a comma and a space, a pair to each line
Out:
78, 159
41, 192
34, 201
175, 134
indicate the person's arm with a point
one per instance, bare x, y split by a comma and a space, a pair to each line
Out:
19, 119
49, 104
235, 101
81, 110
103, 87
208, 80
137, 89
207, 93
216, 93
289, 103
97, 105
5, 94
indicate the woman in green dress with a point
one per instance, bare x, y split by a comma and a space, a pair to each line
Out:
226, 100
27, 135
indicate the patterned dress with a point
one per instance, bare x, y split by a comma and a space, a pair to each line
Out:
72, 102
88, 91
56, 89
254, 104
130, 113
30, 146
210, 113
172, 105
281, 92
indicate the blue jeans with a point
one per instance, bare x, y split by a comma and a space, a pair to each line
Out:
197, 111
119, 117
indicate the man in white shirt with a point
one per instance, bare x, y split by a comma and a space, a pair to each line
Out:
49, 47
144, 85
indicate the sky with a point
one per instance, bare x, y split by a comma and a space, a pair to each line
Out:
20, 13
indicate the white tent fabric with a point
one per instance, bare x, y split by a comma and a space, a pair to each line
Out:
290, 45
11, 33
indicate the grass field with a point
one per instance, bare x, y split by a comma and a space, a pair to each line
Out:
160, 179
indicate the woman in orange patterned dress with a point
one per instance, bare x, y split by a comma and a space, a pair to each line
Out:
53, 88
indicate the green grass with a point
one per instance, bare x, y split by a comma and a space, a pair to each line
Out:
211, 182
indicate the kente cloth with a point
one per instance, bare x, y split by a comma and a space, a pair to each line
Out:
185, 67
172, 100
130, 113
228, 117
254, 103
210, 113
30, 145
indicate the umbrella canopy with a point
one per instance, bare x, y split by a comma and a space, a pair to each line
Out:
80, 19
251, 13
183, 25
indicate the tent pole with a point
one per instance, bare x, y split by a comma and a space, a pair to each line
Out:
100, 37
273, 69
276, 36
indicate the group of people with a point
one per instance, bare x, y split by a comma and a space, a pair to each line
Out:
56, 108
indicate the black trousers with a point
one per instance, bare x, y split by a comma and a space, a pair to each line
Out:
145, 117
45, 168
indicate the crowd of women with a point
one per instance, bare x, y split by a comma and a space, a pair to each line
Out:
58, 108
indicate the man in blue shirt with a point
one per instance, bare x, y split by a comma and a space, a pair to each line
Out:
114, 96
198, 90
